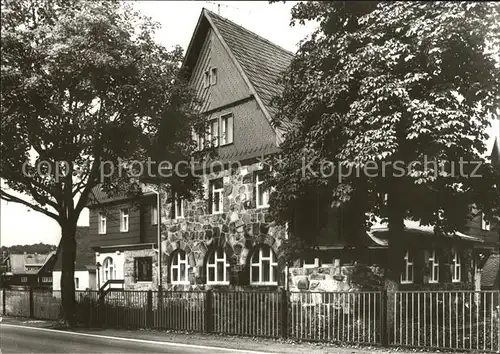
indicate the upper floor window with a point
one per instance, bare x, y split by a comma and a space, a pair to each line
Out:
101, 223
485, 225
178, 208
261, 194
143, 268
407, 273
124, 220
226, 124
434, 267
263, 267
213, 133
217, 268
179, 268
216, 189
456, 267
154, 214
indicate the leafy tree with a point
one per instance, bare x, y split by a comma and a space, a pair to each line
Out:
386, 84
85, 92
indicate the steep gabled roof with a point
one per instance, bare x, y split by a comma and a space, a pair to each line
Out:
259, 61
495, 153
84, 253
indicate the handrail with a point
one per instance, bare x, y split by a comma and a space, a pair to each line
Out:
106, 287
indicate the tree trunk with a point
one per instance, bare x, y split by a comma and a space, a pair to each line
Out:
68, 274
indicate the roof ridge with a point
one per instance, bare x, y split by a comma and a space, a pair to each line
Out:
251, 32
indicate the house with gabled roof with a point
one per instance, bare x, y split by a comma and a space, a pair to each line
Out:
28, 270
228, 238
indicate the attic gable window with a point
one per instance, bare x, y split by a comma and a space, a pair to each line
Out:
210, 77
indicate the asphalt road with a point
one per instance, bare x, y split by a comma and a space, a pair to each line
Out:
20, 339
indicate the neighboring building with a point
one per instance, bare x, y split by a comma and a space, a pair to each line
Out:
28, 270
228, 239
490, 277
85, 266
123, 235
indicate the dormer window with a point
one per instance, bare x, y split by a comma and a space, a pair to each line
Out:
485, 225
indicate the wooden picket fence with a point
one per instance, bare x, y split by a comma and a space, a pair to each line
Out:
456, 320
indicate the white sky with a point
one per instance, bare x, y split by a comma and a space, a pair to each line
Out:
18, 225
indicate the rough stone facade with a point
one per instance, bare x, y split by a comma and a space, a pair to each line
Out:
336, 277
238, 230
128, 270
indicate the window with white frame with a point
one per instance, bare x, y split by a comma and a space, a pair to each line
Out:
77, 283
456, 267
179, 268
263, 267
154, 214
206, 79
102, 223
46, 279
217, 268
124, 220
226, 123
178, 208
310, 262
407, 273
200, 141
108, 269
485, 225
434, 267
213, 76
213, 133
262, 194
24, 279
216, 189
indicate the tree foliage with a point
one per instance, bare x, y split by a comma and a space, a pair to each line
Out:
85, 92
393, 83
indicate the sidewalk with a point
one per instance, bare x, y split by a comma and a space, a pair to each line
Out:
225, 341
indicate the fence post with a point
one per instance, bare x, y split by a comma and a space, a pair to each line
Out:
208, 311
149, 310
32, 305
284, 313
4, 298
384, 333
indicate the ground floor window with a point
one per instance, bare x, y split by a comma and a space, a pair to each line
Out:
217, 268
108, 269
179, 268
456, 267
143, 268
263, 267
407, 273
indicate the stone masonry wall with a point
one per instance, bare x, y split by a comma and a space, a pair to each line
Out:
336, 277
128, 270
237, 230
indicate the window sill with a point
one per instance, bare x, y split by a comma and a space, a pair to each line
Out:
102, 233
433, 281
217, 283
144, 282
264, 284
406, 282
123, 231
262, 206
456, 281
217, 213
179, 217
180, 283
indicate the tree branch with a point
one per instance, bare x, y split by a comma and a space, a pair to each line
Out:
10, 198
